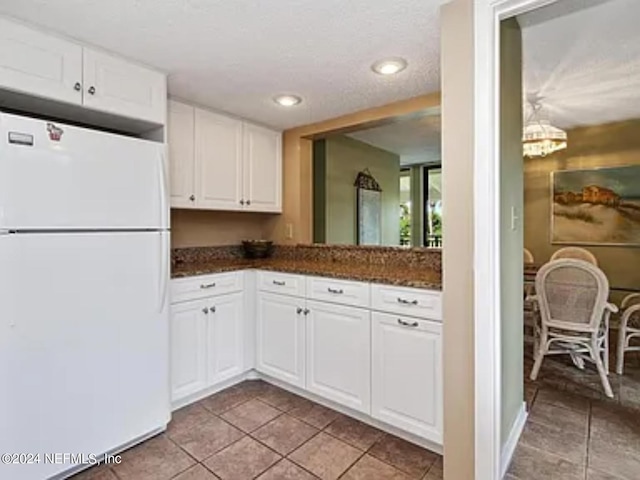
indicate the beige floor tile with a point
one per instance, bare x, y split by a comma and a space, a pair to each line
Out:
325, 456
197, 472
369, 467
596, 475
608, 453
568, 420
206, 437
251, 415
187, 418
354, 432
563, 399
155, 459
556, 440
286, 470
285, 434
245, 459
100, 472
314, 414
532, 464
411, 459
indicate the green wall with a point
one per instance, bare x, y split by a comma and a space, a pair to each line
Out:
511, 187
341, 158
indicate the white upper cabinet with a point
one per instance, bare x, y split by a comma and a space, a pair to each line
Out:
114, 85
263, 169
181, 121
222, 163
218, 160
39, 64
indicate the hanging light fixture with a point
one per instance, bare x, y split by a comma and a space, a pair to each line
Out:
539, 137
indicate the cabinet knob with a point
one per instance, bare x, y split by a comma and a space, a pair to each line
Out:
248, 202
299, 310
241, 202
77, 87
192, 198
307, 311
213, 309
205, 310
92, 90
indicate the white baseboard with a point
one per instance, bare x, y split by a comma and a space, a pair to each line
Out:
509, 448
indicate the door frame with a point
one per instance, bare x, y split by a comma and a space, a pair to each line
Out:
488, 14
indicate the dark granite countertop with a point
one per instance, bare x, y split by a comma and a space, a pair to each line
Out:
364, 272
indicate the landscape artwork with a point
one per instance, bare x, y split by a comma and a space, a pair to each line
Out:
596, 207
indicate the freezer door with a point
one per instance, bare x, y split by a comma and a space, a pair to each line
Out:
57, 177
84, 357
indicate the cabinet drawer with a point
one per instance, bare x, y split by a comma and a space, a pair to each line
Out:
407, 301
283, 283
203, 286
339, 291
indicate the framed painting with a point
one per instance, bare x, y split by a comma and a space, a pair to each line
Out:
596, 207
368, 209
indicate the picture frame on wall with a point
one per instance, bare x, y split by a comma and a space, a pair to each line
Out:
596, 206
368, 209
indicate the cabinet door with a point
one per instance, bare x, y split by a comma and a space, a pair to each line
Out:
188, 349
181, 135
117, 86
281, 334
339, 354
225, 337
262, 169
218, 150
407, 374
38, 64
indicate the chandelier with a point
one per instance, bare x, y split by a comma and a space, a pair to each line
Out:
539, 137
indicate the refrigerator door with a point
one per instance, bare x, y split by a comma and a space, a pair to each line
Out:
59, 177
84, 357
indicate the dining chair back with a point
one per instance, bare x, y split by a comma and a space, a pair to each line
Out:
575, 252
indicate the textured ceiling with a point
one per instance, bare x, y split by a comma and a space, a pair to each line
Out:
416, 140
236, 55
583, 58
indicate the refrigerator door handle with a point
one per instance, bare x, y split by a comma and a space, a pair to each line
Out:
164, 269
164, 207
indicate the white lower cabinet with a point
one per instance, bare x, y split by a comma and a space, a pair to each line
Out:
188, 349
207, 333
281, 337
385, 365
407, 374
225, 335
339, 354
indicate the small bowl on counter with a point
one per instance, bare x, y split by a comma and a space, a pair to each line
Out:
257, 248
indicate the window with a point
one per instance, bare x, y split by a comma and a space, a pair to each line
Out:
433, 206
405, 207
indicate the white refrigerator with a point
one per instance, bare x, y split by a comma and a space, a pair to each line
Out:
84, 271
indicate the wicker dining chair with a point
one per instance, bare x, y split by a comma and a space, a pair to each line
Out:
528, 256
629, 328
574, 315
575, 252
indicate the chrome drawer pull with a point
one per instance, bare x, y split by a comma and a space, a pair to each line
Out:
407, 302
336, 291
207, 285
407, 324
280, 284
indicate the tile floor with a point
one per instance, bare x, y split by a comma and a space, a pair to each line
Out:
255, 430
574, 431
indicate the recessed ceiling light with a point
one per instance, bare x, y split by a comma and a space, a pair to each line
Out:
287, 100
389, 66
